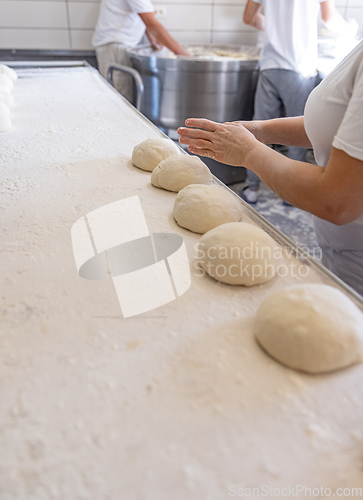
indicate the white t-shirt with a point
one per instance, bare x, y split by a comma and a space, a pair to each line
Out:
291, 35
334, 117
118, 21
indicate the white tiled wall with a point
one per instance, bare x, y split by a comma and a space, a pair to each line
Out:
68, 24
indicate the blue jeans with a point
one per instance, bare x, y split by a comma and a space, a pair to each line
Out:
280, 92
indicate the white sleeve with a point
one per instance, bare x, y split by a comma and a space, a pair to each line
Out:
140, 6
349, 137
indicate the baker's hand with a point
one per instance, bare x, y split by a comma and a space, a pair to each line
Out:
225, 142
183, 52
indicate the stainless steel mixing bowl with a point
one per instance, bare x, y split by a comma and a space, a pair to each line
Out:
179, 88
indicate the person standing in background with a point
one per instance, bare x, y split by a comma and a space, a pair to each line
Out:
122, 24
288, 63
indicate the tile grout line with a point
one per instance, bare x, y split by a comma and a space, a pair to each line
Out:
211, 36
69, 25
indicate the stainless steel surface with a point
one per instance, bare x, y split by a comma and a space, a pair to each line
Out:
178, 88
11, 56
46, 64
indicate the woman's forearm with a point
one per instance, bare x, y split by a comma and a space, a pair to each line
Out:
287, 131
296, 182
310, 187
315, 189
242, 144
158, 31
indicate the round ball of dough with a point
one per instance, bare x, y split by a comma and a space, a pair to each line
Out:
4, 109
177, 172
148, 154
238, 253
5, 122
201, 208
8, 72
6, 82
6, 98
313, 328
4, 88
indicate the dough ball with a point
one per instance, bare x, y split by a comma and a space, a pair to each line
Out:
201, 208
4, 109
6, 82
5, 70
238, 253
313, 328
4, 88
6, 98
177, 172
148, 154
5, 122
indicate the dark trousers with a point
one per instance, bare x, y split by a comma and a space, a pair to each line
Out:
280, 93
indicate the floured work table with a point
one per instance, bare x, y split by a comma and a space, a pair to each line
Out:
179, 403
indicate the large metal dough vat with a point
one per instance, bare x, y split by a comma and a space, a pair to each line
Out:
171, 89
177, 88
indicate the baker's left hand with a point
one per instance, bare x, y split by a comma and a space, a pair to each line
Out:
224, 142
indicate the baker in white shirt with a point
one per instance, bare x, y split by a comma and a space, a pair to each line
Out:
332, 190
122, 24
288, 61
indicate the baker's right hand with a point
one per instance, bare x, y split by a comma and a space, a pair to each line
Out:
183, 52
224, 142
